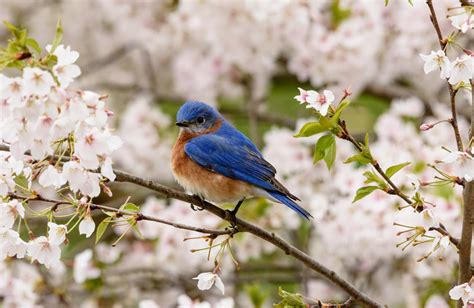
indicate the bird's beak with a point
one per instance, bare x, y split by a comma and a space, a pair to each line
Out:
182, 124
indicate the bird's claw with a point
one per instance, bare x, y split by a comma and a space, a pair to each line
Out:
196, 207
232, 219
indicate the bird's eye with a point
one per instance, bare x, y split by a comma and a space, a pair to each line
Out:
200, 120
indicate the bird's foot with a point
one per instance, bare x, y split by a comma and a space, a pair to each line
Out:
230, 216
197, 207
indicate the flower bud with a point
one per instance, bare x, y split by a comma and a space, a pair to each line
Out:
425, 127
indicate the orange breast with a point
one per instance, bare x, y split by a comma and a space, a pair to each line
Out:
198, 180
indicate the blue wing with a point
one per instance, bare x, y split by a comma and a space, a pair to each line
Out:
222, 155
235, 156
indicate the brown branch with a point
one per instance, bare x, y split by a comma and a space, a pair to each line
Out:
241, 225
442, 230
466, 234
452, 93
465, 244
395, 190
244, 226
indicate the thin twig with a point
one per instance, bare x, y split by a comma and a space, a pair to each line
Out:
394, 189
139, 216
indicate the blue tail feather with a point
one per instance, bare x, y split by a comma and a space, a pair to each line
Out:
290, 203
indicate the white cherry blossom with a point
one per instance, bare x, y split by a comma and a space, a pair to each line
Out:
12, 89
91, 144
9, 211
463, 18
51, 177
462, 292
87, 226
65, 69
461, 70
320, 102
463, 163
37, 82
208, 279
437, 60
45, 251
57, 233
11, 244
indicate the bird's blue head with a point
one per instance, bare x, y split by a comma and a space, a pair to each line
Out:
197, 117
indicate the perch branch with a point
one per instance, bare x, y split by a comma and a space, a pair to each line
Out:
245, 226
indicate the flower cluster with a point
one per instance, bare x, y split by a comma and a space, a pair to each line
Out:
457, 71
57, 136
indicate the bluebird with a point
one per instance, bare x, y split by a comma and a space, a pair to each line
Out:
214, 160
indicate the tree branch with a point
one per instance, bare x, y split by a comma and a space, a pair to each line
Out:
139, 216
465, 244
452, 92
244, 226
395, 190
241, 225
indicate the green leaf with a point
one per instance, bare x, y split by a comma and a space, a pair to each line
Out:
364, 192
325, 149
130, 207
366, 140
109, 213
133, 223
395, 168
386, 2
373, 178
13, 30
361, 158
326, 123
101, 229
310, 129
33, 44
320, 149
58, 36
330, 156
337, 114
293, 300
22, 182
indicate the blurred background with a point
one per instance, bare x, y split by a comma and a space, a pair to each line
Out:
247, 58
